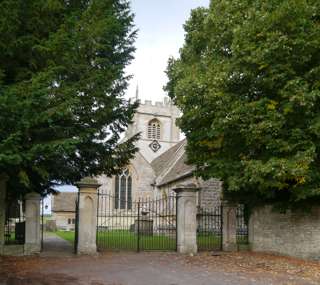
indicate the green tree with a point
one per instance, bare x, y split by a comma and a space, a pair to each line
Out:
248, 84
62, 84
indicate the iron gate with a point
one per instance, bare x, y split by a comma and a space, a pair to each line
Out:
144, 224
209, 228
242, 225
14, 231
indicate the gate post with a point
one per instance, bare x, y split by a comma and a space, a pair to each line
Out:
3, 191
186, 219
87, 223
32, 226
229, 227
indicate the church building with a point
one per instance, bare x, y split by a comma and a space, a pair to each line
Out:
159, 165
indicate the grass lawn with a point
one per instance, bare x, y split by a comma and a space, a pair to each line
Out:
242, 240
126, 240
67, 235
208, 242
10, 238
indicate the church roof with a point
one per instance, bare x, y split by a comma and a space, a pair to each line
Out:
64, 202
163, 161
178, 171
171, 165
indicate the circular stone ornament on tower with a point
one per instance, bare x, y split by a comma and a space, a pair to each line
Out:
154, 145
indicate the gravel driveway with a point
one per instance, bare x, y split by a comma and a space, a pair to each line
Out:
158, 269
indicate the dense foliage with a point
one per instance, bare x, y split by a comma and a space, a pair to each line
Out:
62, 83
248, 84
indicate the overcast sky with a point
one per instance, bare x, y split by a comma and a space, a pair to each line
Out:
160, 35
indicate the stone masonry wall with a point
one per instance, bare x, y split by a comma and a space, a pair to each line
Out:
210, 193
293, 233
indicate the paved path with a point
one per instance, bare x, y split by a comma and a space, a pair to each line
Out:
139, 269
55, 246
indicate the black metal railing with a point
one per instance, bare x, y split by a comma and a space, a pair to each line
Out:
143, 224
15, 222
242, 225
209, 228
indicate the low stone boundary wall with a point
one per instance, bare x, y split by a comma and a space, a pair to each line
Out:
292, 233
17, 250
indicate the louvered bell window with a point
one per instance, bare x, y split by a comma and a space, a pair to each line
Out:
154, 130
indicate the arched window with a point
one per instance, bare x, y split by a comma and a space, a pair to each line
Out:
123, 191
154, 129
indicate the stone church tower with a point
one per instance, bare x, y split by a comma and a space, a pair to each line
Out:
157, 125
159, 165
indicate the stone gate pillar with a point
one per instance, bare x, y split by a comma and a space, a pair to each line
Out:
32, 226
229, 224
87, 223
186, 219
3, 191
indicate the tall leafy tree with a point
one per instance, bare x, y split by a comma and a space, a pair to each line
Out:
248, 84
62, 84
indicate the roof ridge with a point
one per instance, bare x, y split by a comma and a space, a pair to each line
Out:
172, 161
175, 173
168, 150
